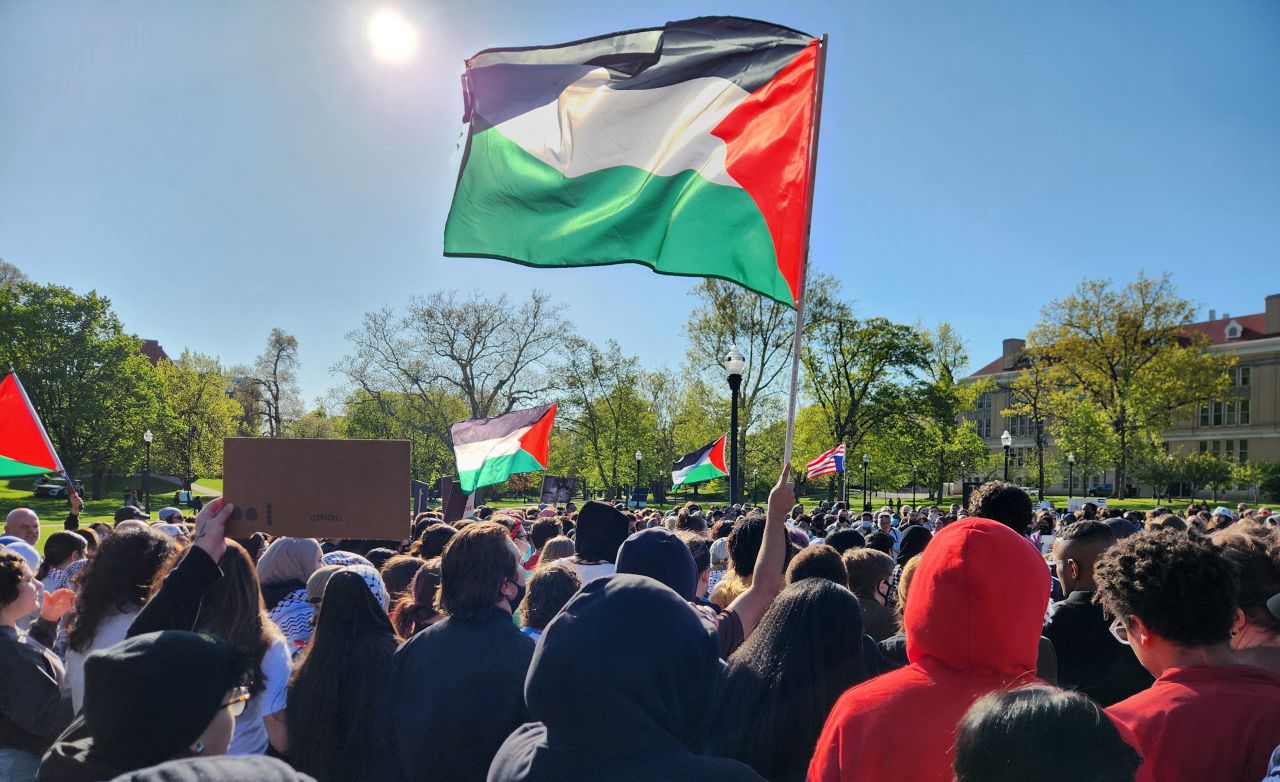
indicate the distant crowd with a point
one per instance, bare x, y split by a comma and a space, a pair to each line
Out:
998, 642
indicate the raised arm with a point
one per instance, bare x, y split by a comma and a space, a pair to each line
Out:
766, 581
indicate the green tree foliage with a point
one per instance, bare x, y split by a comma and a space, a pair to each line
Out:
198, 415
1200, 470
316, 424
86, 377
10, 274
1251, 476
423, 420
946, 445
1030, 395
1124, 352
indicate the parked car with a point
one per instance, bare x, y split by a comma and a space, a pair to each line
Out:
1105, 490
55, 486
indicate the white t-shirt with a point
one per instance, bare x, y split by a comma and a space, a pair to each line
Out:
111, 631
250, 737
588, 572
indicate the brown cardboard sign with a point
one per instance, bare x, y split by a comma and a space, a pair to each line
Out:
317, 488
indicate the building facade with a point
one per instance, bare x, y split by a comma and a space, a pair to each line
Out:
1243, 426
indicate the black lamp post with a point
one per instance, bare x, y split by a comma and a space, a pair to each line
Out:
734, 364
639, 456
147, 437
1006, 440
1071, 475
913, 487
866, 498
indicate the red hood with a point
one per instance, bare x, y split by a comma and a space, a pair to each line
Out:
977, 600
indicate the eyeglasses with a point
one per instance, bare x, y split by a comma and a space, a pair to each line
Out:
239, 697
1119, 630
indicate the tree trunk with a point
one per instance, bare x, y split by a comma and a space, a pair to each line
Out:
1040, 455
96, 482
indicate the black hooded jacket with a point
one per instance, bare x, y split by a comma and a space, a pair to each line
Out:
621, 683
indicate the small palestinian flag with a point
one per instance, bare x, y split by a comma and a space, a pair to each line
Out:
25, 448
704, 464
684, 148
490, 450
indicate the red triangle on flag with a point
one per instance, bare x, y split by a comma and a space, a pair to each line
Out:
22, 437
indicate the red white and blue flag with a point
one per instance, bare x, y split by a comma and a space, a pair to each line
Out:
827, 463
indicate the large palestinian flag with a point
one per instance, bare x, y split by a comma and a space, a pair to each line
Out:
25, 448
490, 450
684, 148
704, 464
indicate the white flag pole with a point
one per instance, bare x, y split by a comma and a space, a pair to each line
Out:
819, 78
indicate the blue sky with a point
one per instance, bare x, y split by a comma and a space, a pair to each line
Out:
218, 169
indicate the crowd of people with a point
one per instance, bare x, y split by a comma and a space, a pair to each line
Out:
1001, 641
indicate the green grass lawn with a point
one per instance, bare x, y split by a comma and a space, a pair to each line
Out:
16, 493
212, 483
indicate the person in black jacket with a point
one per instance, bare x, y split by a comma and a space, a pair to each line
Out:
621, 686
1090, 659
456, 688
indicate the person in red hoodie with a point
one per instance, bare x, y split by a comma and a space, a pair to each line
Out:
972, 623
1207, 717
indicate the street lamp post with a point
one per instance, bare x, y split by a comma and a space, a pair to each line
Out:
147, 437
913, 487
639, 456
734, 364
866, 499
1071, 475
1006, 440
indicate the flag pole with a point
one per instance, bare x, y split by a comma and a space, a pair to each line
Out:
819, 78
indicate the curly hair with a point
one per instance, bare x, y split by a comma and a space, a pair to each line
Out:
119, 576
818, 562
548, 590
1257, 552
1179, 584
13, 571
1002, 502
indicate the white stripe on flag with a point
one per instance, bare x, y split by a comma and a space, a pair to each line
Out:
826, 463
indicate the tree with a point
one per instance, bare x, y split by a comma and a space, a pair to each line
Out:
942, 440
1127, 354
89, 381
1251, 476
1156, 466
859, 373
10, 274
1201, 469
316, 424
1270, 484
200, 415
274, 374
423, 421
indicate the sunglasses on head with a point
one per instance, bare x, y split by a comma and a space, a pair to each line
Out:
239, 697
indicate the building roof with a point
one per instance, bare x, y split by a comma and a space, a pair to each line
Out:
1251, 327
152, 350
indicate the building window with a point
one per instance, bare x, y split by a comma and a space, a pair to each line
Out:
1243, 376
1204, 414
1216, 447
1242, 453
1243, 417
1217, 413
1204, 446
1230, 450
1229, 413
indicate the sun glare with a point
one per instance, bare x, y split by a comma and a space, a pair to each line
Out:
393, 37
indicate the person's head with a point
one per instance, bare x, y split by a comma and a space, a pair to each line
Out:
844, 539
1170, 591
914, 539
700, 548
118, 578
289, 559
434, 538
744, 544
480, 569
19, 589
782, 682
884, 522
136, 714
880, 541
1002, 502
416, 609
691, 521
818, 562
1256, 552
659, 554
904, 587
232, 608
869, 573
1089, 511
1003, 736
548, 590
600, 532
23, 523
379, 556
602, 648
1076, 551
61, 549
398, 573
544, 529
338, 685
90, 538
558, 547
130, 513
977, 600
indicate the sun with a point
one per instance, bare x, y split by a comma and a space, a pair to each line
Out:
393, 37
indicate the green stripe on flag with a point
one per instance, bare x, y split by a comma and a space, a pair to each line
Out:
497, 470
14, 469
703, 472
512, 206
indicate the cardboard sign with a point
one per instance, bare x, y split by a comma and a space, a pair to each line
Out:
317, 488
1076, 504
